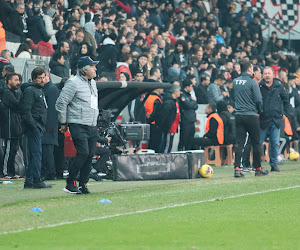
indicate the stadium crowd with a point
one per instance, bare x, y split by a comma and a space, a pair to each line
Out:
198, 46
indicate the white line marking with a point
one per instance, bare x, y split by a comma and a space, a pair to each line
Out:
147, 210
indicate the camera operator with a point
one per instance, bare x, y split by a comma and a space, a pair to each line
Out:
100, 167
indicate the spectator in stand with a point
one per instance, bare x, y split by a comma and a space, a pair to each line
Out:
8, 69
57, 65
36, 27
50, 136
245, 12
89, 36
5, 58
108, 55
141, 65
33, 107
11, 129
48, 19
214, 91
123, 66
201, 90
84, 50
64, 49
180, 55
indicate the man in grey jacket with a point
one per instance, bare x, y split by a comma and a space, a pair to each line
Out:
214, 91
77, 108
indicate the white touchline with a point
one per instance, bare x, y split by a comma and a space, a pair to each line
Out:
147, 210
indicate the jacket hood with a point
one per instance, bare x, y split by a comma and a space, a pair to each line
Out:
89, 27
108, 41
27, 84
33, 19
275, 82
121, 63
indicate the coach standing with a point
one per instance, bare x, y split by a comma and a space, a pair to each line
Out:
248, 104
274, 98
33, 108
77, 108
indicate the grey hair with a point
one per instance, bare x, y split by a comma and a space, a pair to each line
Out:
81, 71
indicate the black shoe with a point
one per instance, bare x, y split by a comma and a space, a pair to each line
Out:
72, 188
275, 168
40, 184
28, 184
84, 190
261, 172
238, 173
95, 176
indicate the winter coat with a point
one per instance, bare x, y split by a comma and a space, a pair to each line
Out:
44, 48
188, 107
36, 29
33, 107
89, 36
49, 29
11, 117
50, 135
174, 58
275, 103
58, 69
108, 55
74, 103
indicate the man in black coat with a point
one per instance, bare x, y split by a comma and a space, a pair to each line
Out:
274, 98
33, 108
11, 130
50, 136
168, 119
188, 107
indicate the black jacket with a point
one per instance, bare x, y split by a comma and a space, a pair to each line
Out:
108, 55
201, 94
36, 29
167, 114
275, 103
33, 107
174, 58
11, 117
58, 69
188, 107
50, 135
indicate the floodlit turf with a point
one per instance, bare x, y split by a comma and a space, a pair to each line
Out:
217, 213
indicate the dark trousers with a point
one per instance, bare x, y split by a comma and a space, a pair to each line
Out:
187, 132
85, 139
204, 142
155, 138
59, 155
104, 154
250, 124
247, 151
166, 142
34, 140
11, 147
48, 163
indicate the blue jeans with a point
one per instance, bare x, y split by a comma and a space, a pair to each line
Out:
274, 133
34, 138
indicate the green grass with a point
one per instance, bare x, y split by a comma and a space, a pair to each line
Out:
182, 214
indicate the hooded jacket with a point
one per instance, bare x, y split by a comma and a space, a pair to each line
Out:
33, 107
58, 69
11, 117
36, 29
108, 54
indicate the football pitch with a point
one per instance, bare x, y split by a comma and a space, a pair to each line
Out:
217, 213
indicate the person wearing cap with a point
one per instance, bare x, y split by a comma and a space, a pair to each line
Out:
248, 104
274, 98
168, 120
188, 107
77, 108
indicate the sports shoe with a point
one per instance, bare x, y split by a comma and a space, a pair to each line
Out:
72, 188
40, 184
17, 177
83, 188
245, 170
7, 177
95, 176
238, 173
261, 172
275, 168
28, 184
